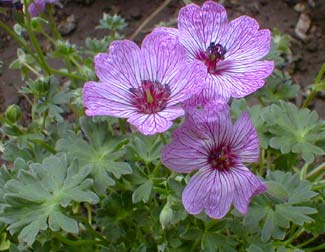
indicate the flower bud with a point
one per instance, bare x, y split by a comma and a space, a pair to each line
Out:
13, 113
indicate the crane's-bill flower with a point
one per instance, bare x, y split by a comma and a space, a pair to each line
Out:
218, 149
231, 51
145, 85
38, 6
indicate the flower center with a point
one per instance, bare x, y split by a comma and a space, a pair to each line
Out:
221, 158
213, 54
150, 97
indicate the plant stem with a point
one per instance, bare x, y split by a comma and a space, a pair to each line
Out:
318, 169
303, 171
121, 122
163, 138
33, 70
18, 39
77, 242
307, 242
66, 74
53, 26
295, 236
314, 90
319, 247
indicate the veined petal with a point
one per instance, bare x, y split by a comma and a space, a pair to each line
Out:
210, 190
254, 70
237, 87
185, 153
103, 99
245, 140
162, 55
150, 124
243, 40
188, 81
246, 186
122, 64
201, 26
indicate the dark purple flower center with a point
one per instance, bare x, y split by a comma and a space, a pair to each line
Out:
213, 54
221, 158
150, 97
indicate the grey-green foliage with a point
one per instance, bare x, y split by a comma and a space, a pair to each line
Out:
112, 23
282, 206
279, 86
34, 200
101, 152
295, 130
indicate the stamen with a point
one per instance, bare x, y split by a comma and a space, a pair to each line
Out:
150, 97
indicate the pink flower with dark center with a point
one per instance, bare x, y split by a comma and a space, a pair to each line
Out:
145, 85
38, 6
231, 51
210, 143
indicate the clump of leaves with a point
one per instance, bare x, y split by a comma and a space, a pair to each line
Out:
36, 198
295, 130
101, 152
281, 207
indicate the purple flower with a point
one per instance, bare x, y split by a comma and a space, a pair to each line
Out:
210, 143
230, 51
38, 6
144, 85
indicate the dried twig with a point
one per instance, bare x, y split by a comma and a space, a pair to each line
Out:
148, 19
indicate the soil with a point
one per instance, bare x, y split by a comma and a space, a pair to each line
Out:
308, 54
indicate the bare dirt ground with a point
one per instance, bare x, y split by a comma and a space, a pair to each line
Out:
308, 53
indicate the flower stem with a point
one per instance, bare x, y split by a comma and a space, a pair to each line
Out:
314, 90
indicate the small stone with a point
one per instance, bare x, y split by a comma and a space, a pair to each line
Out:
303, 26
68, 25
300, 7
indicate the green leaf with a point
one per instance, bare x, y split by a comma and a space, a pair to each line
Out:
172, 212
101, 154
279, 87
146, 148
294, 130
142, 193
33, 200
280, 209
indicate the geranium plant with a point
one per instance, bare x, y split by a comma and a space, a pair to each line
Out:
154, 147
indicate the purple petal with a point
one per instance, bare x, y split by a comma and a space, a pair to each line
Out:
244, 41
210, 190
187, 82
162, 55
232, 85
246, 186
201, 26
245, 139
36, 7
255, 70
104, 99
150, 124
185, 153
122, 64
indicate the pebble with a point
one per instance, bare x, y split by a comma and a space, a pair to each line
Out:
303, 26
300, 7
68, 25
